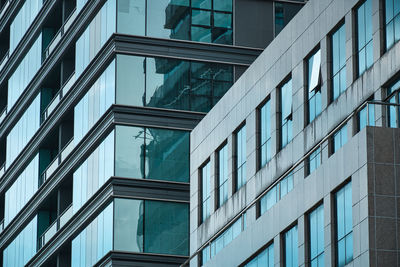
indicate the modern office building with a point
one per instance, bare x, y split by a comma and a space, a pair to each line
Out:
97, 102
298, 163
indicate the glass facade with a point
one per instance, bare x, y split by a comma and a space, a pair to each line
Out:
338, 54
93, 173
313, 161
316, 236
344, 225
23, 247
222, 175
94, 241
290, 248
23, 131
284, 12
393, 111
276, 193
265, 149
224, 239
151, 153
24, 73
22, 21
171, 83
364, 37
366, 116
392, 21
286, 122
205, 191
197, 20
314, 85
339, 138
95, 36
21, 190
240, 166
151, 226
263, 259
94, 103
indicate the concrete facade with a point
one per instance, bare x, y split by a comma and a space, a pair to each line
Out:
369, 158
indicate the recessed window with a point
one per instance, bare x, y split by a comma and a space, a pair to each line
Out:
313, 161
393, 111
364, 37
316, 236
205, 191
263, 259
366, 116
392, 21
286, 121
339, 138
222, 175
290, 243
338, 57
314, 85
240, 157
265, 152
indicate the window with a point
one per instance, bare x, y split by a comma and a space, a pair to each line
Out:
263, 259
205, 191
222, 175
344, 226
286, 120
338, 54
364, 36
316, 236
392, 20
393, 111
240, 157
265, 153
339, 139
276, 193
366, 116
314, 85
290, 258
284, 12
313, 161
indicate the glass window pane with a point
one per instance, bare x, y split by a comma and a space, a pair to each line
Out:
131, 17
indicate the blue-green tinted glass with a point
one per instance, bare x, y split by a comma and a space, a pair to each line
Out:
286, 113
264, 258
206, 191
241, 157
284, 12
131, 16
364, 36
223, 174
338, 43
291, 248
265, 134
316, 236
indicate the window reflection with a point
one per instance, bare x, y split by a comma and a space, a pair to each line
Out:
314, 85
364, 35
286, 113
392, 21
338, 43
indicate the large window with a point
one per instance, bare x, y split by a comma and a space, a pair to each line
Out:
316, 236
393, 97
265, 150
290, 257
222, 175
286, 120
392, 20
338, 54
203, 21
344, 225
364, 36
339, 138
240, 157
263, 259
205, 191
314, 85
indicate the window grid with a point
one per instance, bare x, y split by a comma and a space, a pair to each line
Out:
314, 85
265, 133
286, 114
222, 175
364, 37
316, 236
344, 226
392, 21
241, 157
338, 54
206, 191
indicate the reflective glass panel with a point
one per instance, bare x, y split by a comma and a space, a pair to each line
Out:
364, 36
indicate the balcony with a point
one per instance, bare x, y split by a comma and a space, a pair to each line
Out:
55, 226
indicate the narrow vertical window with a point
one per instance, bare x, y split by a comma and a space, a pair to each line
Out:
263, 259
314, 85
290, 248
265, 133
339, 139
313, 161
316, 236
222, 176
364, 36
392, 21
286, 113
338, 58
366, 116
205, 192
240, 157
393, 111
344, 226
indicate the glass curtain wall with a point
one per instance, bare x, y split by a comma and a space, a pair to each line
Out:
338, 54
364, 37
23, 131
22, 21
24, 73
284, 12
23, 247
21, 190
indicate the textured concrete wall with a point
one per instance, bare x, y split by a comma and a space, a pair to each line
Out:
284, 56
